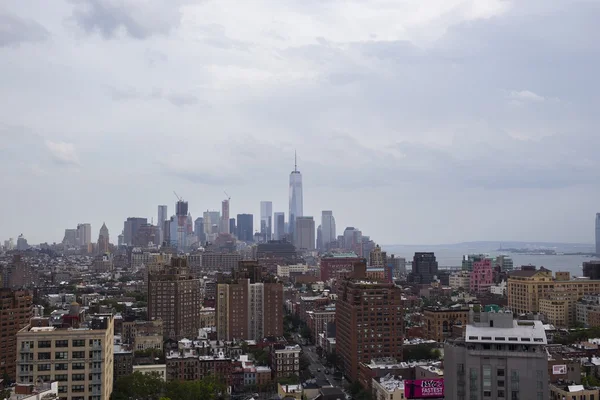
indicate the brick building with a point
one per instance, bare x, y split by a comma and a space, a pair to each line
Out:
16, 308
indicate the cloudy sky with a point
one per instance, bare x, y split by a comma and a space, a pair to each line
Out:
417, 121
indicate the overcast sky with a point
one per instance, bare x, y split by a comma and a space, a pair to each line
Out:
417, 121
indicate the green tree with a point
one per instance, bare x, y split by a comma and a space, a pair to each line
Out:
138, 386
289, 380
207, 388
304, 361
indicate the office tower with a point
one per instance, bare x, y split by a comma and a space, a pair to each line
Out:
498, 358
232, 227
16, 308
598, 234
84, 235
22, 244
174, 297
199, 230
319, 238
121, 239
424, 268
353, 240
189, 224
296, 208
398, 264
162, 217
369, 321
481, 278
211, 218
245, 228
591, 269
103, 239
279, 225
250, 306
146, 235
70, 239
304, 238
328, 226
505, 263
79, 354
131, 227
173, 229
266, 220
181, 210
470, 259
224, 217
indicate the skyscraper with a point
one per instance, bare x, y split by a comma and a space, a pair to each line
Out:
232, 228
224, 217
199, 229
16, 308
211, 218
103, 239
319, 238
84, 235
266, 219
598, 233
245, 227
131, 228
296, 208
181, 210
162, 217
328, 227
424, 268
279, 225
304, 238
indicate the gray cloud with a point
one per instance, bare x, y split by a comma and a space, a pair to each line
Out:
15, 31
110, 18
176, 98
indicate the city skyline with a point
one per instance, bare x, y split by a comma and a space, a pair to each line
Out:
481, 130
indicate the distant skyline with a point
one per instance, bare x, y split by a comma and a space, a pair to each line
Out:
465, 120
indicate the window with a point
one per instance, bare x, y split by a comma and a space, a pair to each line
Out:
44, 356
61, 377
78, 342
487, 376
540, 396
61, 367
78, 377
501, 384
79, 354
44, 344
487, 393
61, 343
61, 355
44, 367
500, 372
62, 389
500, 393
78, 388
78, 365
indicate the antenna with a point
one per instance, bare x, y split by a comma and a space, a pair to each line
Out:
295, 162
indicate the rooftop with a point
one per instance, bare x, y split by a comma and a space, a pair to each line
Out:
390, 383
521, 332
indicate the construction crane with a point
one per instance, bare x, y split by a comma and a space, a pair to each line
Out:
176, 195
228, 196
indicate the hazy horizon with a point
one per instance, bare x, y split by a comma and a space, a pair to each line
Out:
456, 121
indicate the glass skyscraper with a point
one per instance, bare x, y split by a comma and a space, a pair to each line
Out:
296, 209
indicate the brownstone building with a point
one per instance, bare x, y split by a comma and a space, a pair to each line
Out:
439, 321
250, 306
369, 321
174, 297
16, 308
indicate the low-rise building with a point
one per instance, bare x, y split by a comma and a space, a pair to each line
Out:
289, 391
159, 370
439, 321
499, 289
286, 361
388, 387
286, 270
39, 391
460, 280
207, 317
573, 392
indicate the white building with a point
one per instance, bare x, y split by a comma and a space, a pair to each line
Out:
158, 369
328, 227
285, 270
461, 279
388, 388
499, 289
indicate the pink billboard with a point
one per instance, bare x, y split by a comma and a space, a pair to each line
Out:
424, 388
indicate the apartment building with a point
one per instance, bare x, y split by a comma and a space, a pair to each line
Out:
16, 308
80, 358
285, 361
527, 287
460, 280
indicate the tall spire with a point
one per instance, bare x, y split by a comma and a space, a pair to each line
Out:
295, 162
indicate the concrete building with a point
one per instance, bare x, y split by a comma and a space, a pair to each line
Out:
481, 276
460, 280
328, 228
378, 258
304, 237
338, 265
103, 239
573, 392
16, 308
296, 208
597, 233
286, 270
131, 227
80, 358
174, 297
159, 370
369, 321
69, 240
38, 391
499, 289
279, 225
84, 235
469, 259
505, 263
388, 387
499, 358
591, 269
439, 321
160, 221
398, 265
587, 303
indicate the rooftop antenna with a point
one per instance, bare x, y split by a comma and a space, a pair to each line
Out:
295, 162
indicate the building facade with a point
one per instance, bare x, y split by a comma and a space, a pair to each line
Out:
174, 298
296, 208
279, 225
16, 308
499, 358
304, 237
439, 321
460, 280
424, 268
328, 228
245, 227
481, 276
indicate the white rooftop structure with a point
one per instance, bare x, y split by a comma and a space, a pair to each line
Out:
531, 332
391, 383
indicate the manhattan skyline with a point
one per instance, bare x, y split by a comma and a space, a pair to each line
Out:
438, 127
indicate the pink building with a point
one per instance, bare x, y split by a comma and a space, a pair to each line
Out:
481, 276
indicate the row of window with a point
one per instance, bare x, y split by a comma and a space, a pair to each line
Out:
46, 344
64, 355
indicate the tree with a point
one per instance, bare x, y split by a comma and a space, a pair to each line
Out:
138, 386
304, 361
289, 380
208, 388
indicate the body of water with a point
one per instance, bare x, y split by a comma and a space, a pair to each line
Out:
449, 257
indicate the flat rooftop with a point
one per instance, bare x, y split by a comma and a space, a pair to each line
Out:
526, 332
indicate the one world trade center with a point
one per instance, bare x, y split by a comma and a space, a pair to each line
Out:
295, 197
